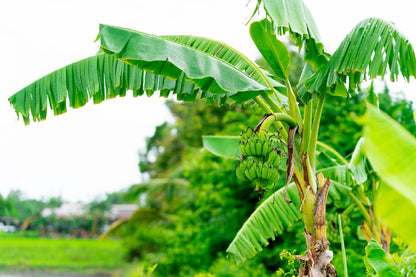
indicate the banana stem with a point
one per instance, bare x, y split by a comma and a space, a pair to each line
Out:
315, 129
293, 105
307, 122
279, 117
271, 103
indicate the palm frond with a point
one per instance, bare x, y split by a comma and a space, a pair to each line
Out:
164, 189
373, 48
115, 229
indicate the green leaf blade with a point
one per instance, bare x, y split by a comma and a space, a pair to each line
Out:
223, 146
380, 261
273, 50
293, 16
392, 151
373, 47
171, 55
272, 217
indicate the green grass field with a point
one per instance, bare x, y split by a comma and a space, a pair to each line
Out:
61, 255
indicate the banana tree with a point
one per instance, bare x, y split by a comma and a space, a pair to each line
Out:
193, 67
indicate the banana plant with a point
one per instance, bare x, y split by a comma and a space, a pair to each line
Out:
193, 68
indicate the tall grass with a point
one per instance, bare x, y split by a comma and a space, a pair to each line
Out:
61, 255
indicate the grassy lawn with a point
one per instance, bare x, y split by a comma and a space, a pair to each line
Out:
61, 255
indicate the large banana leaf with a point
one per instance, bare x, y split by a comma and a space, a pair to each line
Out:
371, 49
392, 152
212, 65
99, 77
272, 217
187, 66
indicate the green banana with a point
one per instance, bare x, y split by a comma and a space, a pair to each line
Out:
240, 172
269, 172
252, 173
259, 169
252, 147
248, 149
264, 172
247, 173
259, 147
275, 176
243, 148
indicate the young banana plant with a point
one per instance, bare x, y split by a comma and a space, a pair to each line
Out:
193, 67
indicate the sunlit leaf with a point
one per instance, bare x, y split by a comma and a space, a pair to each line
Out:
392, 152
379, 261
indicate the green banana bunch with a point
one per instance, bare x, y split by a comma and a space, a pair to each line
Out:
252, 169
260, 159
255, 143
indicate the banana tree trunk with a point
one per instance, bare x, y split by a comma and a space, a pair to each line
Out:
317, 261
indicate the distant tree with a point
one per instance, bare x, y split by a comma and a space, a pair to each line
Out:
339, 123
25, 208
7, 208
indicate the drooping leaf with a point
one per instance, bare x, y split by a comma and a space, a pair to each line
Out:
141, 217
224, 146
189, 67
295, 17
99, 77
273, 50
271, 218
392, 152
163, 189
115, 229
211, 65
371, 49
379, 261
147, 215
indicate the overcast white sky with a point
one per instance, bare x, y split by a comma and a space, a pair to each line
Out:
93, 150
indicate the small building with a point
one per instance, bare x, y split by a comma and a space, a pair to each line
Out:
7, 228
66, 210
